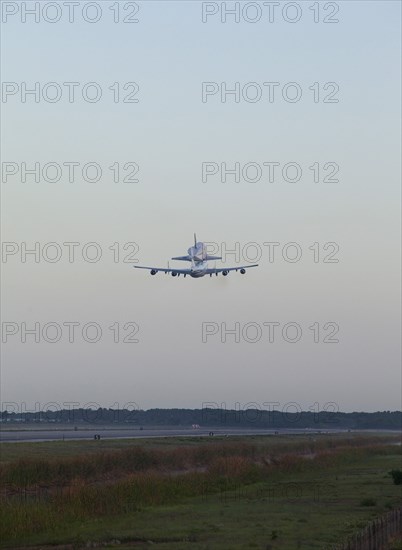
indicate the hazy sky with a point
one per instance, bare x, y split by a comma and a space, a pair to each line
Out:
339, 117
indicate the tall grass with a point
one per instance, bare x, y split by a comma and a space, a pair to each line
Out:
113, 464
126, 481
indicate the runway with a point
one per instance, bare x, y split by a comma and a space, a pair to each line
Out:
89, 433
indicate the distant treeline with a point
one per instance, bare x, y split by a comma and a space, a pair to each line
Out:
290, 417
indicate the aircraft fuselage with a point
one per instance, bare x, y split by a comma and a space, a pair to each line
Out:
198, 269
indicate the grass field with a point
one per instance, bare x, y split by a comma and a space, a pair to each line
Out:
274, 492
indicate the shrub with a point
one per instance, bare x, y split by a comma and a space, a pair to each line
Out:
396, 476
368, 502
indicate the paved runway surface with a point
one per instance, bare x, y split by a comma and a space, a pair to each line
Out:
121, 433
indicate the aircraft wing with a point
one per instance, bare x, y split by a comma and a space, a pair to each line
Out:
155, 270
183, 258
227, 269
223, 270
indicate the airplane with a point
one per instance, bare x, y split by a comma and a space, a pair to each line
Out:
199, 258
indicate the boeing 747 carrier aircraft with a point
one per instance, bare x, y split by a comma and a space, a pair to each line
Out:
198, 257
